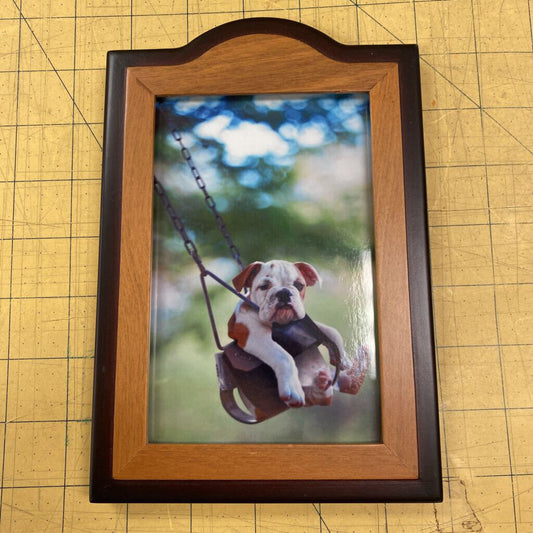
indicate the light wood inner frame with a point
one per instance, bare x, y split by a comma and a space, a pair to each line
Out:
264, 64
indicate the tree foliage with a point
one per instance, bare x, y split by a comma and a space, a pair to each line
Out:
259, 193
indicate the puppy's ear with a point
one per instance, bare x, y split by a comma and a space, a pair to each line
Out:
246, 277
309, 273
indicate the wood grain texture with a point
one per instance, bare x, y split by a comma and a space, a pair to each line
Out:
259, 64
131, 385
392, 284
286, 66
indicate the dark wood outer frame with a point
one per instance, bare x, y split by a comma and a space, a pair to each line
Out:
427, 485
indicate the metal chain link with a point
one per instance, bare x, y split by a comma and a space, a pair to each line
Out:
209, 200
178, 224
193, 252
190, 246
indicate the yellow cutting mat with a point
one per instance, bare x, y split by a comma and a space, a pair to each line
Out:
477, 76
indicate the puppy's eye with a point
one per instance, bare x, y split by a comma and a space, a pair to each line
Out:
299, 286
264, 286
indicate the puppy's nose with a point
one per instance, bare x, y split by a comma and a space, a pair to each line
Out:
284, 296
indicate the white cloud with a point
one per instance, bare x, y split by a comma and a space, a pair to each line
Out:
212, 128
247, 139
355, 124
311, 135
250, 139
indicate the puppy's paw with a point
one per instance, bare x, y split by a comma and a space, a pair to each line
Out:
291, 392
323, 380
321, 391
350, 380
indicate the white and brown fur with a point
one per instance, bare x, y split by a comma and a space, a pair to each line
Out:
278, 288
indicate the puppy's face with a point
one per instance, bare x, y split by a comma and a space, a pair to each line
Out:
278, 288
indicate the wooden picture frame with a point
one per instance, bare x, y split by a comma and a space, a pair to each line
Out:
265, 56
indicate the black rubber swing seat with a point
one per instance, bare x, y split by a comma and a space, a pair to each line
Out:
256, 382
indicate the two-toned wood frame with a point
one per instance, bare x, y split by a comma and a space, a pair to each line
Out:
265, 56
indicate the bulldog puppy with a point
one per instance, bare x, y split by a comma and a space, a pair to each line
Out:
278, 288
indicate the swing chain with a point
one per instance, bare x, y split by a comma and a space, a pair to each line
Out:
209, 200
177, 222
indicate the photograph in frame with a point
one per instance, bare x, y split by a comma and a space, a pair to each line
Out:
290, 176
